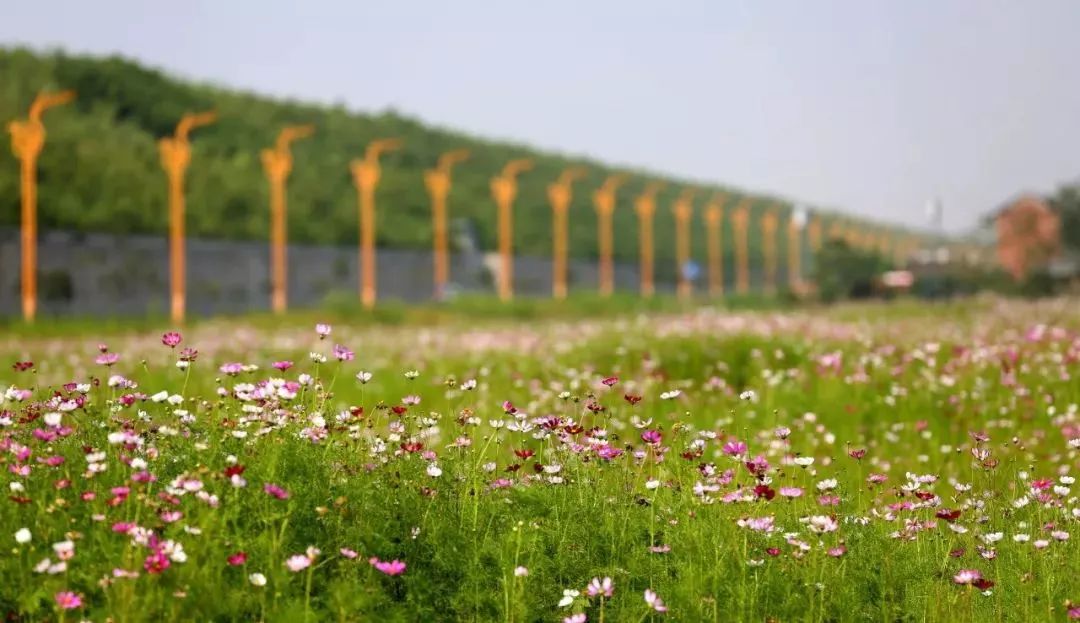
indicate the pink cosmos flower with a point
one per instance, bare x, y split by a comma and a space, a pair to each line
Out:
393, 567
123, 527
660, 549
342, 353
283, 365
652, 437
171, 339
237, 559
232, 368
790, 492
107, 359
322, 330
653, 601
298, 563
761, 524
735, 448
170, 516
603, 587
576, 618
156, 562
348, 553
837, 551
967, 576
276, 491
67, 600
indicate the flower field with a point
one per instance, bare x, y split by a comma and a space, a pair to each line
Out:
865, 463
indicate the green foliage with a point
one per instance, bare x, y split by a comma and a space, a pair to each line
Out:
100, 169
1066, 203
846, 272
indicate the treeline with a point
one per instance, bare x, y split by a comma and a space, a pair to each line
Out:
100, 169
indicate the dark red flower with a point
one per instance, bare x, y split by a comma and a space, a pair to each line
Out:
764, 491
948, 514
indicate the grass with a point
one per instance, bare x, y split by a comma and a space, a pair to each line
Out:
501, 498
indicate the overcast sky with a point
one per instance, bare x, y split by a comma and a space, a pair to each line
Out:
864, 106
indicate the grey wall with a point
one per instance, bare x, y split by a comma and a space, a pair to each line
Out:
105, 274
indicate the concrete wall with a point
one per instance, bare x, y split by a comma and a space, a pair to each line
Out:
106, 275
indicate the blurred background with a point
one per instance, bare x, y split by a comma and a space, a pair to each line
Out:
798, 152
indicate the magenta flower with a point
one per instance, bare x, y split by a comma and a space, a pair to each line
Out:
348, 553
156, 562
276, 491
67, 600
735, 448
652, 437
283, 365
171, 339
237, 559
393, 567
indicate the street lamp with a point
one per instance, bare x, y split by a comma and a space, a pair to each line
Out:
366, 173
740, 221
504, 190
277, 163
645, 206
795, 228
769, 224
437, 181
27, 140
683, 209
604, 201
175, 157
714, 222
560, 194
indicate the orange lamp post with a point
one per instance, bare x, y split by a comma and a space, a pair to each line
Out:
769, 223
796, 223
503, 191
740, 221
175, 158
560, 193
604, 202
277, 163
683, 209
437, 181
714, 222
884, 245
366, 173
899, 252
645, 206
27, 140
836, 230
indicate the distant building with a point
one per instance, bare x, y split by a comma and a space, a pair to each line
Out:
1028, 236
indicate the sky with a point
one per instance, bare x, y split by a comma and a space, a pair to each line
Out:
866, 107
